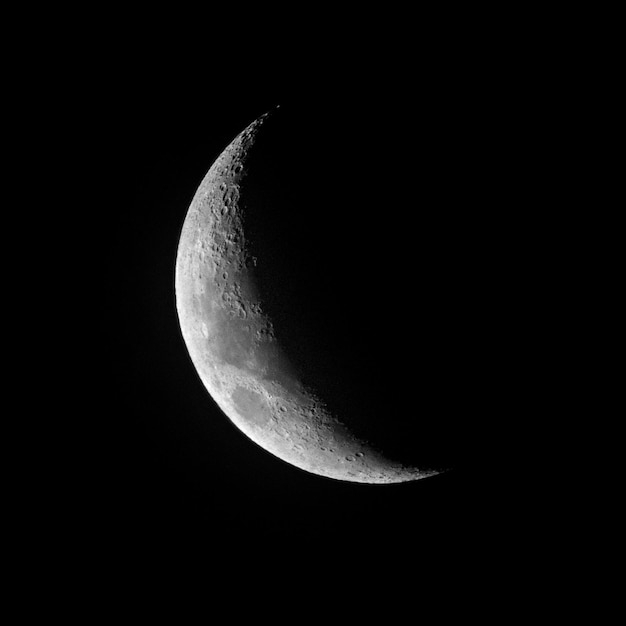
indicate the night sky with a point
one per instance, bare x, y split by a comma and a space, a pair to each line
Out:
172, 474
134, 478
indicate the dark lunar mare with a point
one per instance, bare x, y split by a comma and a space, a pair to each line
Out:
368, 262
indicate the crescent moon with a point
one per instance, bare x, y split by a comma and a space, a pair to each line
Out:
232, 344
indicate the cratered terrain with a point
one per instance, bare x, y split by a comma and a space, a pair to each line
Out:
320, 299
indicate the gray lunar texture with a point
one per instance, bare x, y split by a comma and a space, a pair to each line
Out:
233, 346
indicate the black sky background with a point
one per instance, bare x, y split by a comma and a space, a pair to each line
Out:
128, 477
167, 473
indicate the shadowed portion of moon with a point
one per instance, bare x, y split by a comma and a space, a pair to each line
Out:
323, 298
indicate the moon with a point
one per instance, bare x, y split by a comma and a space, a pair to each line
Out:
232, 330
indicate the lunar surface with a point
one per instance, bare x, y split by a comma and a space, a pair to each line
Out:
231, 316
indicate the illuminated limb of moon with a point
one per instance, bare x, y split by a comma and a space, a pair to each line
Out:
234, 348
